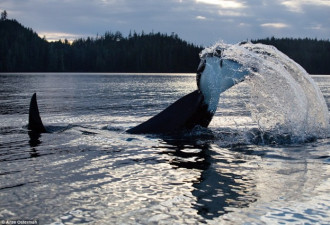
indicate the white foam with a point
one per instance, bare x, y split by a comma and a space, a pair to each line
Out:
216, 79
283, 95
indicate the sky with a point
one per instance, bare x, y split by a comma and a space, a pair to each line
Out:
202, 22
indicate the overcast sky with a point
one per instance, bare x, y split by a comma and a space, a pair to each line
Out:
198, 21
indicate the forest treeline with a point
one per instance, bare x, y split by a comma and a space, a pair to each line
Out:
22, 50
312, 54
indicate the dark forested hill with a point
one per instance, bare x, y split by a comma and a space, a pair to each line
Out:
22, 50
312, 54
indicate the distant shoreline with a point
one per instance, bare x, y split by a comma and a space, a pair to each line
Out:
21, 49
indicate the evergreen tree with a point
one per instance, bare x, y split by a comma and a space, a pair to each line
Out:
4, 15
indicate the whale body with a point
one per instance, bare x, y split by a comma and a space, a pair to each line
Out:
215, 75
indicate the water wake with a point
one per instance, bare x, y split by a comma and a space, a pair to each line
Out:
284, 99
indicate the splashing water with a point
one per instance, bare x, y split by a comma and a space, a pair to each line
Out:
284, 98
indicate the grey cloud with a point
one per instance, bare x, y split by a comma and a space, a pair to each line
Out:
88, 17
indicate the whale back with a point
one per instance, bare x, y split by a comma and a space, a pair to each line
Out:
185, 113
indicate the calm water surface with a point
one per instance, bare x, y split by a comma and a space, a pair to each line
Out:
90, 171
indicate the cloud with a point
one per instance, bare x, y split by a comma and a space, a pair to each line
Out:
318, 27
201, 17
297, 5
244, 24
275, 25
198, 21
51, 36
231, 13
226, 4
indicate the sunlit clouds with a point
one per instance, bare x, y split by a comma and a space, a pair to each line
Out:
50, 36
297, 5
231, 13
275, 25
225, 4
227, 8
201, 17
199, 21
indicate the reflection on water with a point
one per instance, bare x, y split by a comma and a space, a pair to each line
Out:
88, 170
34, 139
218, 188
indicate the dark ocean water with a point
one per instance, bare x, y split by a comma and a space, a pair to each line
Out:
88, 170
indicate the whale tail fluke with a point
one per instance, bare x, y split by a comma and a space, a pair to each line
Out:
35, 123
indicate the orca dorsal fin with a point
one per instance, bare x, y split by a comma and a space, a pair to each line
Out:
35, 123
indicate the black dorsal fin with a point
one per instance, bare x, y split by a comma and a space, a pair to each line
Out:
35, 123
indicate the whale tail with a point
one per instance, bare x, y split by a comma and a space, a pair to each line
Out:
35, 123
214, 76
